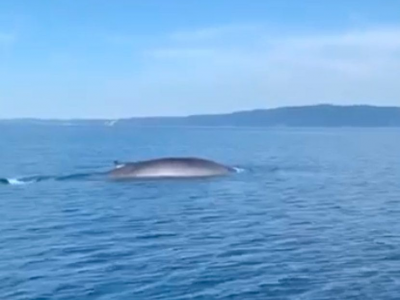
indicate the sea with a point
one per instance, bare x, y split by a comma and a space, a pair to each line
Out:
314, 214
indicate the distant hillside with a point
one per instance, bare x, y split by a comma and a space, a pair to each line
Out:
300, 116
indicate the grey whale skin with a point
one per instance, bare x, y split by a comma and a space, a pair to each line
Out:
170, 167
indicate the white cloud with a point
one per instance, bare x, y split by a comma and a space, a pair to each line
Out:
260, 69
230, 68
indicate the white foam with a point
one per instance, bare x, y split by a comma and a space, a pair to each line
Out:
238, 170
14, 181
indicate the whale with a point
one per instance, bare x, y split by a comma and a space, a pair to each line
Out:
169, 167
158, 168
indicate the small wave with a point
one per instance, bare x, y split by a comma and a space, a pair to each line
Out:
34, 179
239, 170
76, 176
12, 181
21, 181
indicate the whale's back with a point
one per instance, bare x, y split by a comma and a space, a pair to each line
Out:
171, 167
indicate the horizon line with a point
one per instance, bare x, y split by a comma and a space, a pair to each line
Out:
192, 115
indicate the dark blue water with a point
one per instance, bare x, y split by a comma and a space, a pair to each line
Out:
315, 215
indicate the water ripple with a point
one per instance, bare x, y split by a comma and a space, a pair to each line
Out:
316, 217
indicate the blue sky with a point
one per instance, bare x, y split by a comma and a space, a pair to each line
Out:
120, 58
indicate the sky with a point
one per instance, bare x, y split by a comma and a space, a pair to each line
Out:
126, 58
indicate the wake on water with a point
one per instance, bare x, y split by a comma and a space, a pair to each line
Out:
33, 179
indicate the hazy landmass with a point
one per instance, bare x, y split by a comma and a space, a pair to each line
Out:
299, 116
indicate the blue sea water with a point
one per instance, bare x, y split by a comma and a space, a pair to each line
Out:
315, 215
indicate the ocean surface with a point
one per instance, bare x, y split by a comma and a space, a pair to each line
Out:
315, 214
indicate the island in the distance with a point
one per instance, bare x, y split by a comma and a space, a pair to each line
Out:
323, 115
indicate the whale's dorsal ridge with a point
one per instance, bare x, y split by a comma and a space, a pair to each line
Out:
118, 164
